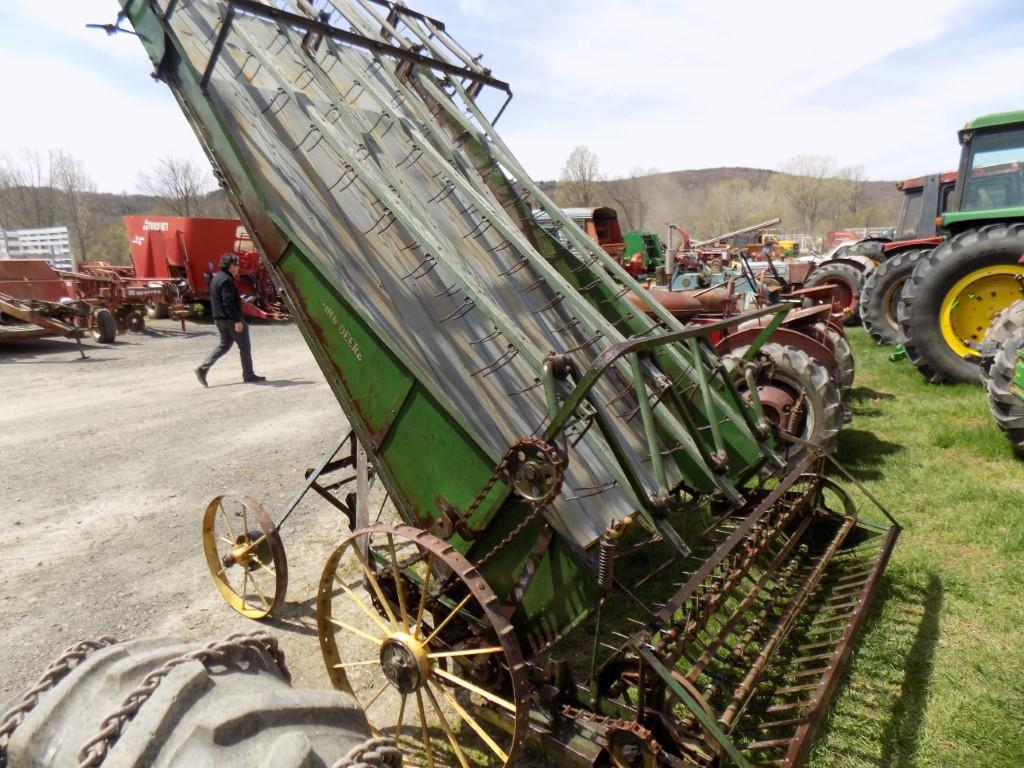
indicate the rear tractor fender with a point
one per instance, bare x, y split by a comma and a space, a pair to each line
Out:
744, 337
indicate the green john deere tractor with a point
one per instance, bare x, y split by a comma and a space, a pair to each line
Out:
953, 295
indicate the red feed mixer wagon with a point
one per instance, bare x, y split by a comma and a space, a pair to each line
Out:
190, 248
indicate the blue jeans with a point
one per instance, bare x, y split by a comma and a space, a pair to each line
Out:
228, 337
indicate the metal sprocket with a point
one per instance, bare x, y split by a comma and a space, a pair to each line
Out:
535, 470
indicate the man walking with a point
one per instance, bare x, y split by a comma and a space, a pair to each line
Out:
226, 304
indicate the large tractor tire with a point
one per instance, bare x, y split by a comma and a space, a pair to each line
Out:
949, 301
103, 326
163, 703
846, 281
799, 397
1007, 405
881, 296
845, 369
1005, 324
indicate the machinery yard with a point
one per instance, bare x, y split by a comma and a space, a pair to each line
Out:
109, 543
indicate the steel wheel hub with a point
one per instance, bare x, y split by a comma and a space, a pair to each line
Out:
969, 307
405, 662
777, 403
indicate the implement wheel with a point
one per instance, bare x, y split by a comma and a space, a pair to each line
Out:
798, 397
950, 300
103, 325
411, 629
845, 370
846, 281
881, 295
245, 555
1006, 402
136, 322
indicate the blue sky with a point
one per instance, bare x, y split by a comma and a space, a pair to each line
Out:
880, 84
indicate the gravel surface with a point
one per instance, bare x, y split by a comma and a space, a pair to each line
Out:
108, 464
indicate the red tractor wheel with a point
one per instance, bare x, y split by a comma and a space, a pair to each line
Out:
846, 281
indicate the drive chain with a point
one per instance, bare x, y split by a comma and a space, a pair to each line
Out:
377, 752
536, 507
59, 669
223, 652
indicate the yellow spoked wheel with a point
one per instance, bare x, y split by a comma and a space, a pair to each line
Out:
969, 306
411, 629
245, 555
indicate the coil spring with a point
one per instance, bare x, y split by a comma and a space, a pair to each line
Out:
606, 561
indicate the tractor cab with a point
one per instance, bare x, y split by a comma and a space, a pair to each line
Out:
991, 173
925, 199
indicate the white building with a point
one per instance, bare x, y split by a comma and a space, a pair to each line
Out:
50, 243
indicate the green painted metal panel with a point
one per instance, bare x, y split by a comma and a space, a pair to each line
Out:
372, 377
997, 119
960, 219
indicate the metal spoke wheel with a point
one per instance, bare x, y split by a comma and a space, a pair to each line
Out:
245, 555
411, 629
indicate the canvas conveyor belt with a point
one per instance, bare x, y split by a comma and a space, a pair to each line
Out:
601, 544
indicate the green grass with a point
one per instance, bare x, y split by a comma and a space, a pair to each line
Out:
938, 675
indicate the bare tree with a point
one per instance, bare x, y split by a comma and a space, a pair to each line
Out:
731, 205
631, 195
579, 183
27, 197
807, 184
73, 182
179, 183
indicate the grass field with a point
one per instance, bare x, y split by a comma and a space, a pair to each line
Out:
938, 677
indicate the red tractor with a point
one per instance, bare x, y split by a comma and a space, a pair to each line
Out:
925, 199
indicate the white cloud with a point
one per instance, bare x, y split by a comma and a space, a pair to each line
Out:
661, 83
116, 132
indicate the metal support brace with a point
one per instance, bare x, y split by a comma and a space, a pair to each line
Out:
695, 708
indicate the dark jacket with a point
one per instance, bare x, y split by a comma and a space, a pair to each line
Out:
225, 302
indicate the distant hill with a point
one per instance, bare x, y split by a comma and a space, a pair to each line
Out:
680, 197
677, 196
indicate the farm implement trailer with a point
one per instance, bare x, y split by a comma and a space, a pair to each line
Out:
600, 545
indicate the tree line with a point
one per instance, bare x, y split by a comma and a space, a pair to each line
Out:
55, 189
812, 193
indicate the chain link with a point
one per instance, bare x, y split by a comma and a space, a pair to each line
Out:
70, 658
372, 753
535, 510
223, 652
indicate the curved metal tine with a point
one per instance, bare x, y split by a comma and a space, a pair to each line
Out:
378, 221
573, 322
446, 191
467, 306
559, 297
625, 318
624, 393
505, 244
506, 357
618, 295
584, 265
514, 268
489, 337
533, 286
536, 383
583, 345
595, 490
451, 290
428, 260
